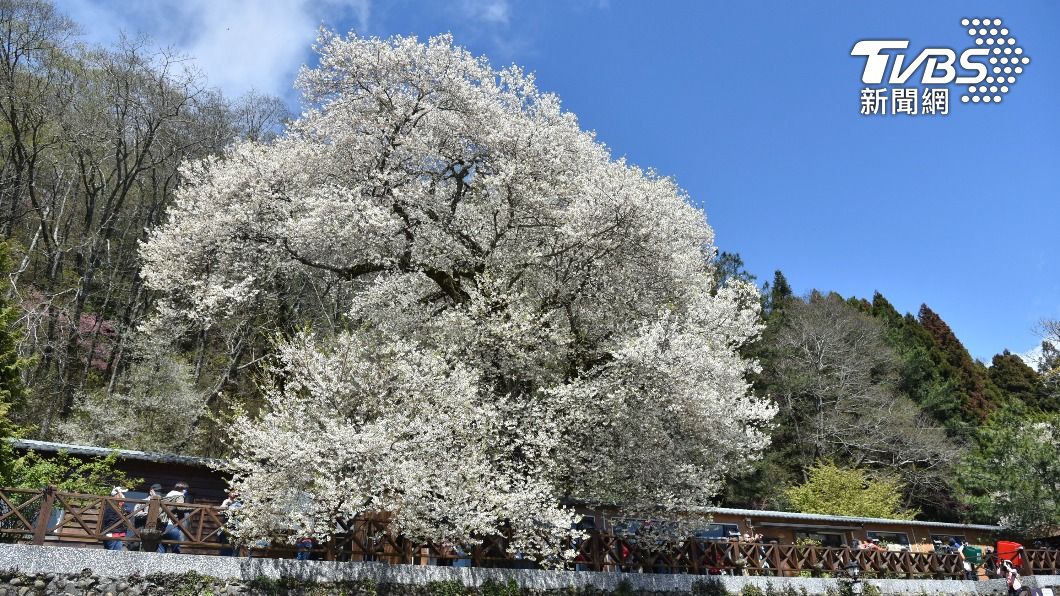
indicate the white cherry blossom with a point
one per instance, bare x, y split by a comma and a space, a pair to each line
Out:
502, 315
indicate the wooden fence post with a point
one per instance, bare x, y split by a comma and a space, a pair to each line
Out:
154, 506
329, 550
596, 556
1026, 568
812, 559
775, 555
47, 502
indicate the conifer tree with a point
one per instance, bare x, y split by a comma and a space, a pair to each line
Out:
776, 293
977, 395
1012, 376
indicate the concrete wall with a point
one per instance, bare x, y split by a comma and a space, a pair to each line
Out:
33, 560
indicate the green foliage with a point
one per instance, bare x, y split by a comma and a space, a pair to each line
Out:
763, 486
776, 294
193, 584
1049, 368
729, 266
12, 390
267, 586
491, 588
449, 588
925, 376
832, 490
790, 590
68, 473
977, 394
752, 590
711, 586
1012, 472
1011, 375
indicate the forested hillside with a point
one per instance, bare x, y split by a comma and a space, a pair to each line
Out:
863, 386
92, 142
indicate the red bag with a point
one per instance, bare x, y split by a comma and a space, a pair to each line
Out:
1006, 549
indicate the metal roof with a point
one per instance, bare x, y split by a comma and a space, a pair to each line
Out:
814, 517
164, 458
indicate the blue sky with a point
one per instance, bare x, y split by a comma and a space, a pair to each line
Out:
753, 108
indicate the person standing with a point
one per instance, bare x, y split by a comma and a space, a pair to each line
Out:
1012, 577
174, 518
957, 548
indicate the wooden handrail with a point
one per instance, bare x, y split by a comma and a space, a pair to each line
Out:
28, 515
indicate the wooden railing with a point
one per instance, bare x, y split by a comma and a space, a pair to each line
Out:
605, 551
54, 517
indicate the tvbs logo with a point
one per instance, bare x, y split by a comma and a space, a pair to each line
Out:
989, 68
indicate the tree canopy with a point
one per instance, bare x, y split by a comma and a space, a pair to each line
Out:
1012, 474
503, 316
833, 490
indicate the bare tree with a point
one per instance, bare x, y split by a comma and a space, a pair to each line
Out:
90, 149
834, 377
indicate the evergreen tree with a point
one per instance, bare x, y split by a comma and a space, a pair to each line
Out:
1013, 377
978, 396
729, 266
922, 376
778, 292
1012, 473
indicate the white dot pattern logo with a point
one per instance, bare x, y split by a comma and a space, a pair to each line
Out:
989, 32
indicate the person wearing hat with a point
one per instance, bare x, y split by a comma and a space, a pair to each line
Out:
1012, 577
113, 522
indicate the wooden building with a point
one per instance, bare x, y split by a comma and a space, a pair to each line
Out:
206, 484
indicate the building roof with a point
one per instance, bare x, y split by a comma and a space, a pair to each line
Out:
163, 458
207, 462
814, 517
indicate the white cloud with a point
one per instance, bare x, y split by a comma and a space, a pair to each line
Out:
239, 44
1032, 357
496, 12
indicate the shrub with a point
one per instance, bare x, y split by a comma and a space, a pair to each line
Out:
449, 588
709, 587
491, 588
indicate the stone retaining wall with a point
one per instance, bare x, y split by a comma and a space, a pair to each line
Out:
59, 570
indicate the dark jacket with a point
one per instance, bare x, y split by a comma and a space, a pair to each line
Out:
111, 517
